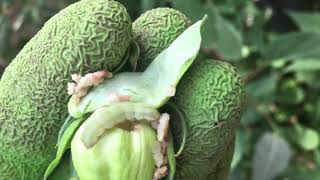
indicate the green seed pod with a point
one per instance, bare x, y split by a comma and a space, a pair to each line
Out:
134, 97
86, 36
222, 170
210, 97
210, 122
120, 154
155, 30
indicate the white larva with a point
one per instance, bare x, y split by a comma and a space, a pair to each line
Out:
109, 116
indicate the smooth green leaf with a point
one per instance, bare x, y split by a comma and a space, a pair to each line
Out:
65, 125
64, 144
271, 157
293, 46
64, 171
171, 159
152, 85
306, 21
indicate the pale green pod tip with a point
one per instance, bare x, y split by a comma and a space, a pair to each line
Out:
119, 154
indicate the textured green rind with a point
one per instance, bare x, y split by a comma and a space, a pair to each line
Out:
210, 95
222, 170
155, 30
84, 37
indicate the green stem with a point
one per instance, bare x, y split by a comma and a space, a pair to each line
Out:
184, 127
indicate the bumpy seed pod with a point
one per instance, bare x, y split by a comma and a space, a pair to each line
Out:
124, 148
128, 96
210, 97
155, 30
86, 36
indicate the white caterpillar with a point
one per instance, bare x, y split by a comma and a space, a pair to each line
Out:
107, 117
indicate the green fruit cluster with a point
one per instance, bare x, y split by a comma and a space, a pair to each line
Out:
92, 35
210, 96
155, 30
85, 37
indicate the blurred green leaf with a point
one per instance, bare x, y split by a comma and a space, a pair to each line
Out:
193, 9
255, 34
302, 174
279, 64
263, 88
133, 7
294, 46
306, 21
271, 157
4, 34
242, 145
250, 116
237, 174
225, 38
311, 78
312, 108
290, 93
307, 138
304, 65
147, 5
219, 34
283, 114
317, 156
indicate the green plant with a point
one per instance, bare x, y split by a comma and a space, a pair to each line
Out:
107, 115
94, 107
33, 95
155, 30
211, 98
273, 44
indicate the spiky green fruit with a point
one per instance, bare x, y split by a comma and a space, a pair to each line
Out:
155, 30
210, 96
86, 36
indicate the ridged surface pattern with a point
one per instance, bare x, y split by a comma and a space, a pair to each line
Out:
211, 97
155, 30
87, 36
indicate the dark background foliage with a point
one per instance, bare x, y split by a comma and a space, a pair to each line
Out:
275, 44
